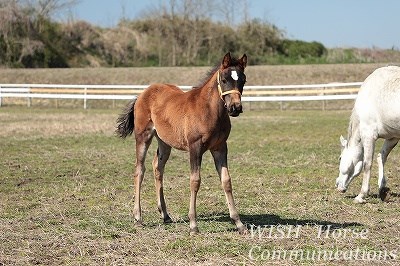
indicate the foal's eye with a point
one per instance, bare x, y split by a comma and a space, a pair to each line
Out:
224, 81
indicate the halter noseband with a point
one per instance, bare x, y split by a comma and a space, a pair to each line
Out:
223, 93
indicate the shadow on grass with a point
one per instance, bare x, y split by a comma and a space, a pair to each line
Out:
272, 219
392, 194
262, 220
374, 196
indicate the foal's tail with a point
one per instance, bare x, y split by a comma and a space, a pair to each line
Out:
125, 121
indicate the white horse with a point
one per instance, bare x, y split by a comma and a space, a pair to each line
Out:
376, 114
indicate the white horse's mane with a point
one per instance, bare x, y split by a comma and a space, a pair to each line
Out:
353, 125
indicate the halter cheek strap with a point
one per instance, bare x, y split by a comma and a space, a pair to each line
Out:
221, 93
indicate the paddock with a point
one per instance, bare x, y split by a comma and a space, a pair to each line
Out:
300, 96
66, 195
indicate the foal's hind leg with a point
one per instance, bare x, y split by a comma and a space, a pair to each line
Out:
143, 141
159, 161
221, 163
387, 147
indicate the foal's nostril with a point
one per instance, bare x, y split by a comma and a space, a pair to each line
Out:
238, 108
235, 109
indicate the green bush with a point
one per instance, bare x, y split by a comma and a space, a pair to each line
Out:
301, 49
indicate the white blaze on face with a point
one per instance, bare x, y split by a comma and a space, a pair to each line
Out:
234, 75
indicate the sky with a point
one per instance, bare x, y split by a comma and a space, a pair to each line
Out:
334, 23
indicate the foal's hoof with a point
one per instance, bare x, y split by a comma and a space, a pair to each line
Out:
168, 220
384, 194
194, 231
139, 223
243, 230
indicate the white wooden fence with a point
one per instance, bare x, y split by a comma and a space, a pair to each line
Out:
276, 93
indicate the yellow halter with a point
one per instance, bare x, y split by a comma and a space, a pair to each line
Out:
221, 93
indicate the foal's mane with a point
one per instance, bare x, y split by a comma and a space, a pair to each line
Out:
210, 73
207, 77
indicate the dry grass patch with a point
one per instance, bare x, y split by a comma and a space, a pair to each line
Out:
256, 75
50, 123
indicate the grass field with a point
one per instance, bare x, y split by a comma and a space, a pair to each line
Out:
66, 195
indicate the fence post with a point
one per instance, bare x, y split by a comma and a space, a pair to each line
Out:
0, 96
84, 99
29, 98
323, 101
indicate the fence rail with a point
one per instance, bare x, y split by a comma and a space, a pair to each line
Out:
275, 93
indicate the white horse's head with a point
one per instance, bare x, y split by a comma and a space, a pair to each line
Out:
351, 164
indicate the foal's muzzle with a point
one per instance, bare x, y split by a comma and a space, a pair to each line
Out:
232, 100
235, 109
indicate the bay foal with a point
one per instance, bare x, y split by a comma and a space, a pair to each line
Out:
193, 121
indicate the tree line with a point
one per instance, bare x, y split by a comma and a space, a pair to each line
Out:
175, 35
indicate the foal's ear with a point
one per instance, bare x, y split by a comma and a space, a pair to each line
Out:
226, 62
243, 61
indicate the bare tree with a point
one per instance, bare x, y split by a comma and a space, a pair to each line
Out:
233, 12
21, 23
47, 8
7, 19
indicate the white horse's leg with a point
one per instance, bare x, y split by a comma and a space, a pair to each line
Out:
369, 146
387, 147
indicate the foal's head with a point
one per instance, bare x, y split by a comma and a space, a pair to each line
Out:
231, 79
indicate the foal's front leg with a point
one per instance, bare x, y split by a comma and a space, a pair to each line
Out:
221, 164
195, 164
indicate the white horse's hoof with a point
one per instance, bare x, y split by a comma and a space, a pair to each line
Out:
384, 194
359, 200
